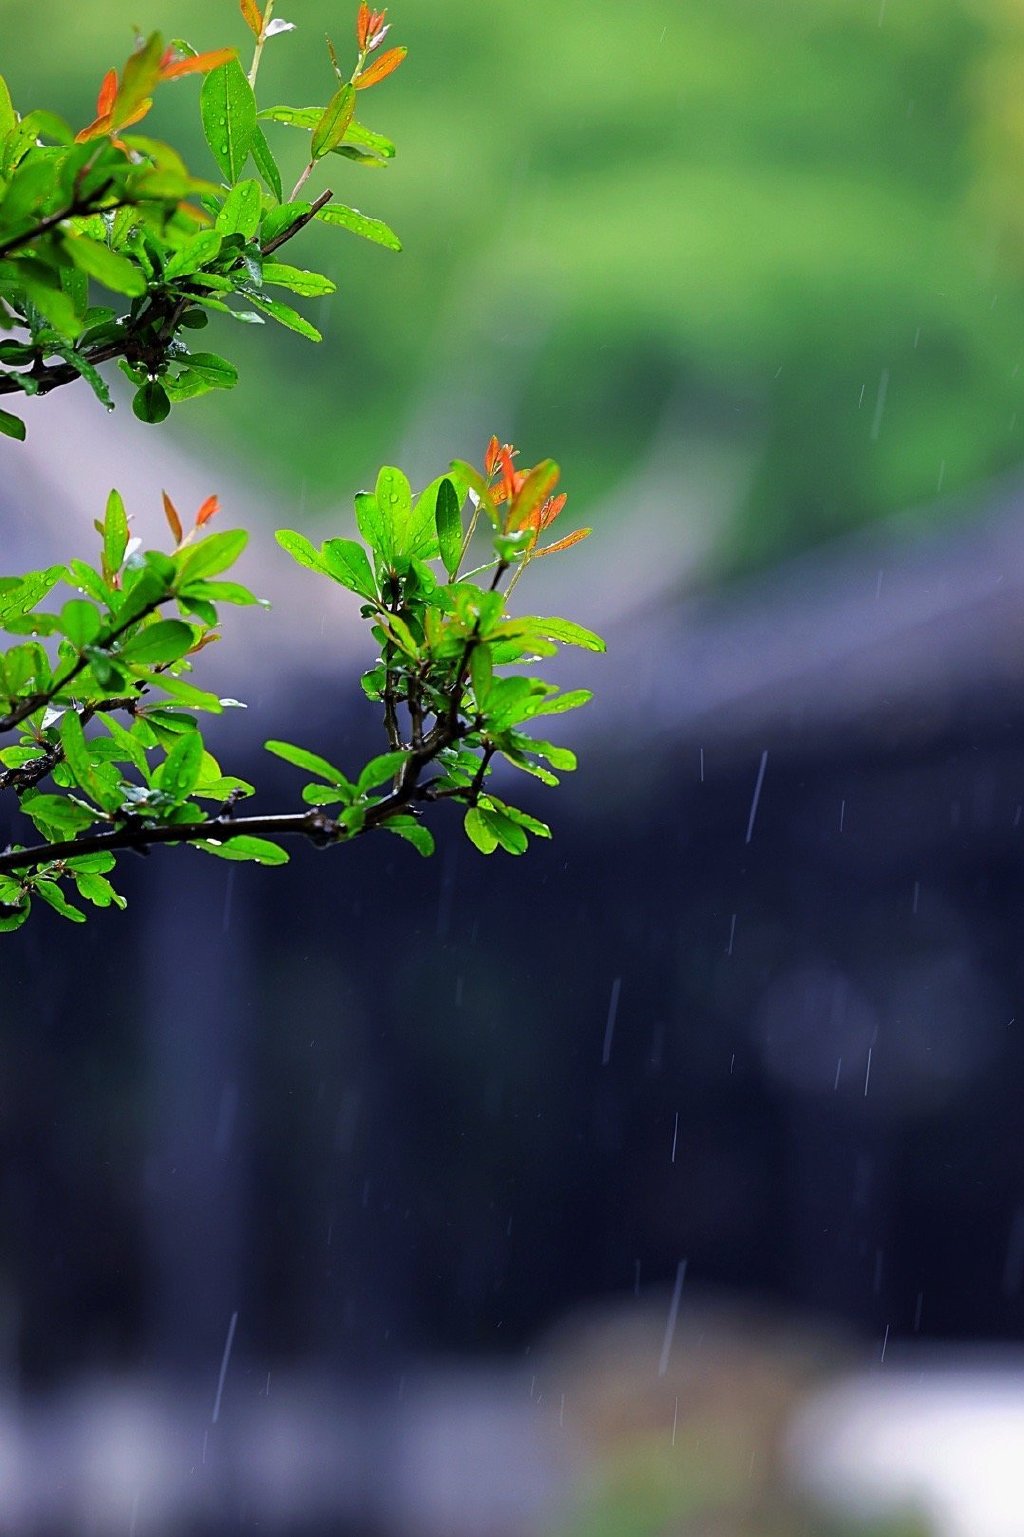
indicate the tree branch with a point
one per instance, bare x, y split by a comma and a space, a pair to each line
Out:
29, 774
77, 208
55, 375
300, 223
314, 825
34, 702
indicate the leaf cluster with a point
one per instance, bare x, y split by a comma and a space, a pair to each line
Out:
109, 754
97, 694
111, 248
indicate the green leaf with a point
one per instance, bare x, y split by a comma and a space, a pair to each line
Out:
413, 832
195, 253
360, 224
92, 376
107, 267
286, 316
12, 918
179, 773
374, 526
399, 632
521, 818
566, 632
242, 210
213, 554
165, 641
56, 816
50, 893
228, 109
213, 370
12, 426
379, 770
558, 704
76, 751
337, 115
26, 592
346, 562
151, 403
8, 116
88, 580
448, 520
258, 849
295, 117
481, 674
311, 285
301, 550
357, 134
479, 831
97, 889
394, 499
310, 761
81, 622
96, 864
559, 757
115, 534
265, 162
309, 117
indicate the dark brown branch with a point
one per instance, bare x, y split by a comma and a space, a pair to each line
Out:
29, 774
314, 825
35, 702
300, 223
77, 208
53, 376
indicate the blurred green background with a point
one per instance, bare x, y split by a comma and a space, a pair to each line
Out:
788, 231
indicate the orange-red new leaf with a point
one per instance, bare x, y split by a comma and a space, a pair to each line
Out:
107, 93
198, 64
380, 68
171, 514
253, 18
562, 544
208, 510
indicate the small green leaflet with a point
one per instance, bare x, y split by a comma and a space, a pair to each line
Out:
213, 554
179, 773
260, 850
12, 426
355, 133
413, 832
286, 316
311, 285
265, 162
301, 550
27, 592
566, 632
337, 115
374, 526
448, 518
347, 562
228, 109
107, 267
360, 224
51, 893
115, 534
195, 253
379, 770
165, 641
479, 831
310, 761
242, 209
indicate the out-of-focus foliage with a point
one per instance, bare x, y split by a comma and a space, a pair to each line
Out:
796, 228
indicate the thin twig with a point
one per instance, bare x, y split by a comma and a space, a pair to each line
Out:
300, 223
